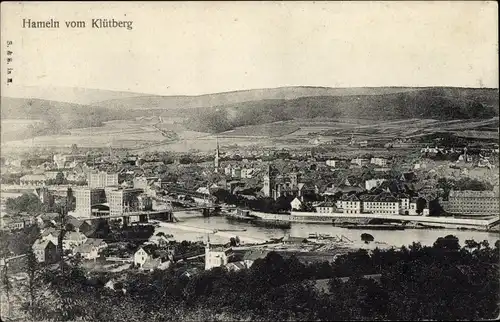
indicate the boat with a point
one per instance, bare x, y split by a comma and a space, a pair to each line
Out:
271, 224
374, 227
320, 236
241, 215
232, 230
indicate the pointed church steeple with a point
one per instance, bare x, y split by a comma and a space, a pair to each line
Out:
216, 160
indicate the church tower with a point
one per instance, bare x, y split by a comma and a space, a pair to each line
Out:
216, 160
267, 182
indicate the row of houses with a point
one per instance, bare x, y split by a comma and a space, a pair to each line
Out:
239, 172
46, 248
383, 203
360, 162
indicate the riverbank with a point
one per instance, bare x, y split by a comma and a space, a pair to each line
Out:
259, 233
201, 232
413, 221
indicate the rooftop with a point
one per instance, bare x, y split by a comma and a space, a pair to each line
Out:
382, 197
33, 177
41, 244
472, 193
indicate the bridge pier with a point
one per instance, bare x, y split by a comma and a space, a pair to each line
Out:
206, 212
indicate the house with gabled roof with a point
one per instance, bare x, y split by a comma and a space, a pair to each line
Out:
142, 255
51, 234
79, 225
296, 204
159, 240
149, 257
91, 248
73, 239
45, 251
216, 256
238, 266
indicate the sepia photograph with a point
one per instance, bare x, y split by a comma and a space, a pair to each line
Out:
249, 161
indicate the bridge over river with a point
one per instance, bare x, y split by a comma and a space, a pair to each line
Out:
166, 214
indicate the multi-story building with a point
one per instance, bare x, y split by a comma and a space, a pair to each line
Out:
473, 202
148, 184
247, 173
381, 204
408, 206
127, 200
360, 162
110, 201
326, 207
350, 205
102, 179
384, 203
86, 198
381, 162
331, 163
236, 172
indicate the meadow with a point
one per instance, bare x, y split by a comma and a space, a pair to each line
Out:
147, 134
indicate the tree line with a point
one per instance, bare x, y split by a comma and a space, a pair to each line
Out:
445, 281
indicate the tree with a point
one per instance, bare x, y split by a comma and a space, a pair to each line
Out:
27, 202
35, 272
367, 238
7, 286
59, 178
283, 203
74, 148
20, 242
449, 242
472, 244
224, 196
421, 204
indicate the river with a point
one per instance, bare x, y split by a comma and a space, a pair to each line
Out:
194, 227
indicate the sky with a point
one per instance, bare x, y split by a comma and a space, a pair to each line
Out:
191, 48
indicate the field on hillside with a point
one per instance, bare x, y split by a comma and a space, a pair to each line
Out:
123, 134
12, 129
277, 129
133, 134
147, 134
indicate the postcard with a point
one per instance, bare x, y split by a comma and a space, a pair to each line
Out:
249, 161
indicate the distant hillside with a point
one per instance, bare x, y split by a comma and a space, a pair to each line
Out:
218, 99
225, 111
435, 103
56, 116
66, 94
